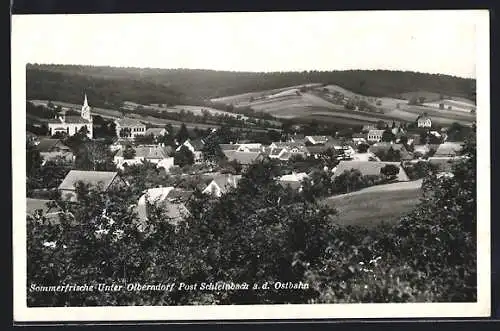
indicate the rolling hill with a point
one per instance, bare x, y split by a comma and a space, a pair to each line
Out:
326, 104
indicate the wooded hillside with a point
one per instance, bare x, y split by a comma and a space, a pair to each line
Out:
108, 84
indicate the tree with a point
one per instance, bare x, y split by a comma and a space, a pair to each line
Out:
413, 101
183, 134
388, 136
183, 157
128, 153
125, 133
211, 149
390, 171
363, 148
145, 139
33, 159
94, 156
381, 125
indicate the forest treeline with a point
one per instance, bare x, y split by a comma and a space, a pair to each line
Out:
149, 85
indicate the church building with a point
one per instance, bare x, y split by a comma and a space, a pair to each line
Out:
70, 125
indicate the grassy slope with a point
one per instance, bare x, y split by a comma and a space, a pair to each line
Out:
377, 204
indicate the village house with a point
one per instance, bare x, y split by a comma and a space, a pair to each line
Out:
385, 147
71, 125
221, 184
105, 180
171, 200
294, 180
195, 146
375, 135
424, 121
54, 150
244, 158
129, 128
317, 140
157, 154
369, 168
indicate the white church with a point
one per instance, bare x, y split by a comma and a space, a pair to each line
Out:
70, 125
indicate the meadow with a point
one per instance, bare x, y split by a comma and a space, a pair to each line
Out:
377, 204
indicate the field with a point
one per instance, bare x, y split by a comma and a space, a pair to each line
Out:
315, 104
376, 204
242, 99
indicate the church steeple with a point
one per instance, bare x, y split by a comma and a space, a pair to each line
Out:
86, 110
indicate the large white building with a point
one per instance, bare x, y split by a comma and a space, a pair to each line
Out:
70, 125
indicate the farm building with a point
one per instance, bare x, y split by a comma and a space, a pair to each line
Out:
221, 184
105, 180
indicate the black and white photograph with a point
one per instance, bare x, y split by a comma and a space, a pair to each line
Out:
251, 165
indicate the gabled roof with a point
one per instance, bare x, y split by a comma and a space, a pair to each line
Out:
148, 152
47, 144
448, 149
319, 139
128, 122
359, 135
368, 168
244, 158
94, 178
375, 132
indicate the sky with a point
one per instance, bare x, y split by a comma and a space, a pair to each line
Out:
424, 41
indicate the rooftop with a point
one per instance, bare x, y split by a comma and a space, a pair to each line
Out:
129, 122
244, 158
94, 178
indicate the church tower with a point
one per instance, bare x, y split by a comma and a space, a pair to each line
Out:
86, 110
